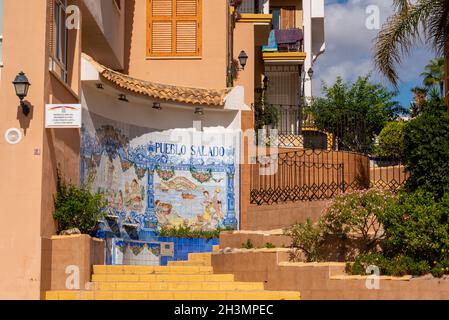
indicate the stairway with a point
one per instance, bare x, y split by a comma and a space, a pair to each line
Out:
180, 280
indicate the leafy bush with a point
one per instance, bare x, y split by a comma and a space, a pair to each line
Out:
187, 232
265, 114
248, 244
416, 241
308, 238
391, 140
426, 153
418, 227
396, 266
77, 207
356, 215
362, 108
351, 219
269, 245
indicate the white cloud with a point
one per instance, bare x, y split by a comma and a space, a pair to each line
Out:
349, 45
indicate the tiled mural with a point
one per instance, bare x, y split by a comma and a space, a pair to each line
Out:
122, 252
150, 181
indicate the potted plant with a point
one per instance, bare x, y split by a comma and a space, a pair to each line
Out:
76, 208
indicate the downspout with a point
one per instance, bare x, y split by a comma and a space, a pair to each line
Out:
230, 45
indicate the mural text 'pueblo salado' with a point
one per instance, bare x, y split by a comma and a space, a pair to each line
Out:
180, 150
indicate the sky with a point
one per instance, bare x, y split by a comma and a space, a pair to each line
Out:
349, 48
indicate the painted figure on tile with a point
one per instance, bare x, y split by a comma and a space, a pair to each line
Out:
134, 197
218, 206
208, 207
166, 215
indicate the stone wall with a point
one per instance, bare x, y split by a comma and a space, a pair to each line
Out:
62, 254
280, 216
321, 280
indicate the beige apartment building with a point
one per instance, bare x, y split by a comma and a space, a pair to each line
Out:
147, 74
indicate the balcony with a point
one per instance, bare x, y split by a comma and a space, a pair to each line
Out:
285, 46
254, 11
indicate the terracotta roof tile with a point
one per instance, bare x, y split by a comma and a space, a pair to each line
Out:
212, 97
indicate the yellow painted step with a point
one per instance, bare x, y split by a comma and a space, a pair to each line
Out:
172, 295
206, 257
178, 286
152, 269
188, 263
162, 277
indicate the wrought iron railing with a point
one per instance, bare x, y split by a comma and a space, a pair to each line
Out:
299, 129
252, 6
310, 175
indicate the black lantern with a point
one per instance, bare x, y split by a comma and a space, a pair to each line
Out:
21, 85
243, 58
199, 111
310, 73
157, 106
266, 81
122, 97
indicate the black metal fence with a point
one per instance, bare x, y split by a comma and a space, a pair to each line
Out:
309, 175
299, 129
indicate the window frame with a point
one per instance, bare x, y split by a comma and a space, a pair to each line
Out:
174, 18
60, 39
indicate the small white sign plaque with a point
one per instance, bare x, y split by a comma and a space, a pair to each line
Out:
63, 116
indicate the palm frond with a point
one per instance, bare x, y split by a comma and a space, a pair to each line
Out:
398, 36
401, 5
438, 25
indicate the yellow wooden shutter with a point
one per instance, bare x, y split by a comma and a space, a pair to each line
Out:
174, 28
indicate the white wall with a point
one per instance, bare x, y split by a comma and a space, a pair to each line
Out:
317, 8
111, 23
143, 115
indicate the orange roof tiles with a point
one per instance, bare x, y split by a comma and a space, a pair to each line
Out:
212, 97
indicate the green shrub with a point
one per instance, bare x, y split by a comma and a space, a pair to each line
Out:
355, 215
391, 140
248, 244
269, 245
306, 237
426, 153
77, 207
350, 217
417, 226
396, 266
187, 232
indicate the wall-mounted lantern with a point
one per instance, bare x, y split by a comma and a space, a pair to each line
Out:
266, 82
243, 59
21, 85
157, 106
310, 73
199, 111
122, 97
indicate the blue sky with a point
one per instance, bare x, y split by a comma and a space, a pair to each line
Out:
349, 45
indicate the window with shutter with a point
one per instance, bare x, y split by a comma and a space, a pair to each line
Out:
174, 28
288, 18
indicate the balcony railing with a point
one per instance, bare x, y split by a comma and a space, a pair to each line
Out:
254, 6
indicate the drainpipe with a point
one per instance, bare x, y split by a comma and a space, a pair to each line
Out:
307, 12
230, 45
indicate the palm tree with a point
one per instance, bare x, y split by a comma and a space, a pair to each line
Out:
412, 22
419, 96
434, 75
